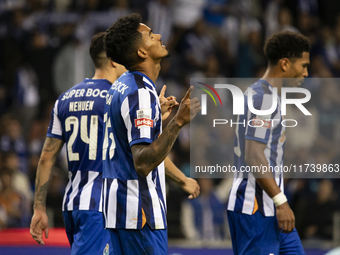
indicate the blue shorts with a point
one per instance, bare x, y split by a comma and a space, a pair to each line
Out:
139, 241
86, 233
256, 234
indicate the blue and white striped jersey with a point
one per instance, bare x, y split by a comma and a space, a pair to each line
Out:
132, 116
77, 119
246, 196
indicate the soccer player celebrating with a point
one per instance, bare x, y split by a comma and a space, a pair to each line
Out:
260, 219
134, 204
77, 120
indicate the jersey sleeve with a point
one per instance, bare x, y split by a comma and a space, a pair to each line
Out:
140, 113
55, 129
259, 127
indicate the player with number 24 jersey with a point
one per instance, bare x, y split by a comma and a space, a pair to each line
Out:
81, 106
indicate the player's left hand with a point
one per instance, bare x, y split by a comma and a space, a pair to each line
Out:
191, 186
39, 224
167, 103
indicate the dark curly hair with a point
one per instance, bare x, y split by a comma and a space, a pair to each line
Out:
285, 45
97, 48
121, 40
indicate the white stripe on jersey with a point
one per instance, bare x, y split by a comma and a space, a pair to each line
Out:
75, 186
85, 196
56, 128
249, 196
125, 112
266, 104
101, 201
233, 191
268, 204
144, 103
157, 211
161, 174
132, 204
112, 205
69, 184
104, 195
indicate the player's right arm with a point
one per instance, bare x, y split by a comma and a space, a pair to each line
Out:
39, 222
254, 156
147, 157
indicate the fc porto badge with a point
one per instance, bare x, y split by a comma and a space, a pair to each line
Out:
106, 250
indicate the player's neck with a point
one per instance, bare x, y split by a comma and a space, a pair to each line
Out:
150, 69
108, 74
274, 78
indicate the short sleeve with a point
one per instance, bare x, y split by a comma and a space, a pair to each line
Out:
259, 127
140, 113
54, 129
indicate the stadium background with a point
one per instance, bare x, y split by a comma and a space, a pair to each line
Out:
44, 51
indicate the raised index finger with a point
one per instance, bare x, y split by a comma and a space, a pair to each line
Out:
187, 95
162, 91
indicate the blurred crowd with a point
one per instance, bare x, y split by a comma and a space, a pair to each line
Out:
44, 51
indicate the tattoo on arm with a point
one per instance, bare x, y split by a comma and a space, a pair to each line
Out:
153, 154
50, 152
173, 177
41, 192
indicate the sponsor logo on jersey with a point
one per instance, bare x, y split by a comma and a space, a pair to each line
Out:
144, 118
143, 122
261, 123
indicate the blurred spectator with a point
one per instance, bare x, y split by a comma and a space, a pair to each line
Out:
20, 180
13, 207
250, 55
319, 212
333, 52
328, 105
197, 45
72, 63
187, 12
159, 18
204, 218
40, 51
12, 140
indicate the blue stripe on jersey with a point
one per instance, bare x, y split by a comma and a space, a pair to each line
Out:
146, 201
140, 219
108, 187
121, 204
96, 193
83, 180
139, 81
259, 198
240, 195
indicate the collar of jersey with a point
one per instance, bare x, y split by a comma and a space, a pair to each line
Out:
136, 72
88, 79
264, 81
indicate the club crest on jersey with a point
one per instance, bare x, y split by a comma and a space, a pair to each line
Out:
106, 250
144, 118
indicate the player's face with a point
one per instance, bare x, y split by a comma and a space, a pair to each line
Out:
298, 69
152, 43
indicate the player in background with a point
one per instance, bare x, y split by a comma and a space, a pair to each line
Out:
77, 120
134, 204
260, 219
